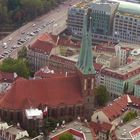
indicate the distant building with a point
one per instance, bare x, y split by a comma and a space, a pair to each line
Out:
45, 46
13, 133
112, 20
102, 13
113, 114
6, 79
115, 79
39, 52
77, 135
120, 51
114, 111
105, 48
108, 61
62, 64
126, 26
130, 130
102, 130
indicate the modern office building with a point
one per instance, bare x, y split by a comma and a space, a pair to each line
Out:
111, 20
127, 22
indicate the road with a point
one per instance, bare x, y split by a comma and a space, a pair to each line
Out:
54, 21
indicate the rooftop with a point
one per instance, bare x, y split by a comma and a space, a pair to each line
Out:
127, 131
78, 126
30, 93
119, 106
83, 4
104, 57
123, 72
14, 130
102, 127
129, 7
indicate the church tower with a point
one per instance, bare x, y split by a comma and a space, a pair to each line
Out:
85, 66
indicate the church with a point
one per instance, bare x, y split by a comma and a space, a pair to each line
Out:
64, 96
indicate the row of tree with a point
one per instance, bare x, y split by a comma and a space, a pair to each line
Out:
20, 11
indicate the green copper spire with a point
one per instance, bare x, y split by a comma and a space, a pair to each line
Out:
85, 61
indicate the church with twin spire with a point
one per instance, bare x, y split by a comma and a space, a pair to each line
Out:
66, 97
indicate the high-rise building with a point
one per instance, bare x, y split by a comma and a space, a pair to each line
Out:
102, 16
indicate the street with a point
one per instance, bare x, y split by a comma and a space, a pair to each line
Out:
54, 22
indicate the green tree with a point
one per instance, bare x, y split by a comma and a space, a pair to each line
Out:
32, 8
66, 136
22, 53
102, 95
3, 13
129, 116
15, 65
125, 88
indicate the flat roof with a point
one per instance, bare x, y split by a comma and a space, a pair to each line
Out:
83, 4
128, 7
124, 132
126, 69
78, 126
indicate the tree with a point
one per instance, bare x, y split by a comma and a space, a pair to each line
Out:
129, 116
66, 136
22, 53
125, 88
15, 65
32, 8
102, 95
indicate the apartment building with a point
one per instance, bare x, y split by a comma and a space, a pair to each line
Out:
115, 79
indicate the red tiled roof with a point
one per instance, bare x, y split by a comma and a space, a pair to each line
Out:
119, 105
50, 91
100, 127
41, 74
46, 42
105, 48
116, 108
70, 131
42, 45
97, 66
135, 132
62, 60
4, 76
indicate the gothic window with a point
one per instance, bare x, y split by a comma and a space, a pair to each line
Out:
85, 84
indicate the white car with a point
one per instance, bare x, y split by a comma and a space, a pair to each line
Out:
33, 25
10, 38
4, 45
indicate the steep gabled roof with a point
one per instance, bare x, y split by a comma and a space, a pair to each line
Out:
85, 61
51, 91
